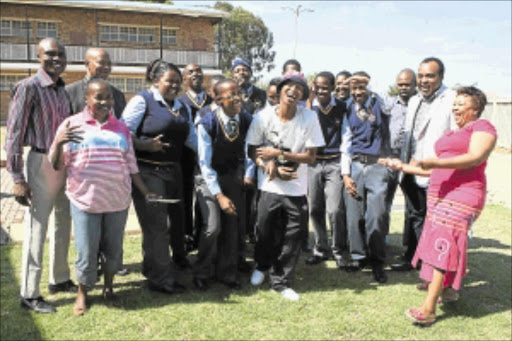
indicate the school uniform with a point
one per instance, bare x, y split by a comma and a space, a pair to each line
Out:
221, 151
365, 138
325, 184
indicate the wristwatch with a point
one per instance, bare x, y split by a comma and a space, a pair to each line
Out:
280, 157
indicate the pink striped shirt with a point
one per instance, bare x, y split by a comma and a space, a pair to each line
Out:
98, 168
37, 107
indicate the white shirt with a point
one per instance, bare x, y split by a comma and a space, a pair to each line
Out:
302, 132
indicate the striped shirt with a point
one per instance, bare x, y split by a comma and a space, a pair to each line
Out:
98, 168
37, 107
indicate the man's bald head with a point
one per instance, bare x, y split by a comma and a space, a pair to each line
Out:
52, 56
97, 63
406, 84
193, 77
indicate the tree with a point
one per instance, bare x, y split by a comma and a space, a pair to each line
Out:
244, 35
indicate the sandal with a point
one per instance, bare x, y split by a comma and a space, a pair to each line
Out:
417, 317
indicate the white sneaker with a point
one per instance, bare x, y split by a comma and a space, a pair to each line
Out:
290, 294
257, 277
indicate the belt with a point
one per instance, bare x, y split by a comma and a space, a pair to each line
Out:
328, 156
39, 150
156, 165
365, 158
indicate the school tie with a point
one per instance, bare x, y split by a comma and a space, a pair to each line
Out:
232, 127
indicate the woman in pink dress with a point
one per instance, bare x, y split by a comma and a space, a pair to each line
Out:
455, 198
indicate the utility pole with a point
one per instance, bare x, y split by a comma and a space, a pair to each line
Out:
297, 11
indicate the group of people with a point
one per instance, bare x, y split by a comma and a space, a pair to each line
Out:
226, 160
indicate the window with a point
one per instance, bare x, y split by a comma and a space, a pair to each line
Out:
14, 28
169, 37
127, 33
7, 82
128, 84
46, 29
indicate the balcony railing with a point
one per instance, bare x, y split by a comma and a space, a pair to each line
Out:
118, 55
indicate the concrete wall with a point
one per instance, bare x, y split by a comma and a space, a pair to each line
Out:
500, 115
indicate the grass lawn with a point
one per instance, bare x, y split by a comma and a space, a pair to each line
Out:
334, 304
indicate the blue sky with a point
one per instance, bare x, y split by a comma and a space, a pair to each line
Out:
472, 38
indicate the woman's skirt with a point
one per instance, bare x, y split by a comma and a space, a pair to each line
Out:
443, 242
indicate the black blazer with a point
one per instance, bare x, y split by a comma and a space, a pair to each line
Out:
77, 91
256, 101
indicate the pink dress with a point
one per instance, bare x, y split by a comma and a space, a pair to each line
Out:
455, 199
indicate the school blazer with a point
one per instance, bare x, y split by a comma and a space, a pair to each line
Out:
439, 121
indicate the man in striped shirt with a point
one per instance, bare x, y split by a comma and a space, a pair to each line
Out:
38, 105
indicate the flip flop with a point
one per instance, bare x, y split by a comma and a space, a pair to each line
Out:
423, 286
415, 315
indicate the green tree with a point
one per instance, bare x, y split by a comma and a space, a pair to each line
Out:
244, 35
392, 90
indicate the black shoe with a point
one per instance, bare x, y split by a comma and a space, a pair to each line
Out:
234, 285
123, 272
403, 266
201, 284
379, 274
315, 259
39, 305
67, 286
244, 267
354, 265
173, 288
182, 262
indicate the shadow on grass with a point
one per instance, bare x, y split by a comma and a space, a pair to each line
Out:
17, 323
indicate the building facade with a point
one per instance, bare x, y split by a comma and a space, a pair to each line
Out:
133, 33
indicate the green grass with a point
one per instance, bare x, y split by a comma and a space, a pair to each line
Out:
334, 304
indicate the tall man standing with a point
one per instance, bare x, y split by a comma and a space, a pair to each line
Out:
38, 105
98, 65
429, 115
196, 98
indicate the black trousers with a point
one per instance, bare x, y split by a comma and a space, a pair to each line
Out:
281, 227
415, 212
160, 222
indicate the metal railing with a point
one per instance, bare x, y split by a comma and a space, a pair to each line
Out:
119, 55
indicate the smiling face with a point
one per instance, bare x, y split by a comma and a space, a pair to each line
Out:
169, 85
359, 92
193, 77
229, 97
97, 62
342, 89
52, 57
99, 100
464, 110
429, 79
242, 75
291, 93
323, 90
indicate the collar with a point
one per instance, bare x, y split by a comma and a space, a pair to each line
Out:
249, 90
86, 114
436, 94
317, 104
194, 94
46, 81
225, 118
158, 97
